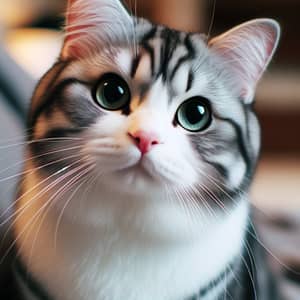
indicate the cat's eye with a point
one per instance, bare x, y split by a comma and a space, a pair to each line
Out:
194, 114
112, 92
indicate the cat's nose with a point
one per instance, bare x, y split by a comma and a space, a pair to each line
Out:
145, 140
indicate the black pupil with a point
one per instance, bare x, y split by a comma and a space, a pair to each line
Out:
195, 112
113, 91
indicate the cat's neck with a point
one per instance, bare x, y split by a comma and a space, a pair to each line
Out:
134, 257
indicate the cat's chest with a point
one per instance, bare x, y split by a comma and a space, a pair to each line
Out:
173, 274
113, 264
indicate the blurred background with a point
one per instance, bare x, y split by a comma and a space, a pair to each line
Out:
30, 35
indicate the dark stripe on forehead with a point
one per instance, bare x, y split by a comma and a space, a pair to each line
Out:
134, 65
171, 40
191, 54
189, 45
149, 35
148, 48
151, 53
190, 81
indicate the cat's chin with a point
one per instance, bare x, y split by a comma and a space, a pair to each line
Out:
136, 174
134, 180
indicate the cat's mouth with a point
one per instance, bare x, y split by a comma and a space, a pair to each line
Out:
139, 170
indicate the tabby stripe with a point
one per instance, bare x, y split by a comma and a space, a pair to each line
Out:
135, 65
188, 44
219, 167
189, 56
223, 193
226, 193
145, 44
54, 96
37, 290
190, 81
215, 283
62, 132
171, 39
57, 69
246, 114
29, 283
151, 53
149, 35
240, 142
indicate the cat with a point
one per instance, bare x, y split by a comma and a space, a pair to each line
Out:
143, 144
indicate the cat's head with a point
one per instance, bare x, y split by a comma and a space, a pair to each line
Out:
142, 106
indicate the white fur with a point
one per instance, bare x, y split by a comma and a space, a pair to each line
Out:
140, 249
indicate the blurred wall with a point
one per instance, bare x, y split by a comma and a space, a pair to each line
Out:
15, 13
188, 15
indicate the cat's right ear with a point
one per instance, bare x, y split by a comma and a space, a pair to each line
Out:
92, 24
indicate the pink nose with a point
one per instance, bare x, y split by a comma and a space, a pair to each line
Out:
145, 140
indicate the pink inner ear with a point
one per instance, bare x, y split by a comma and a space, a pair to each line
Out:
75, 49
72, 17
270, 45
78, 26
246, 50
94, 24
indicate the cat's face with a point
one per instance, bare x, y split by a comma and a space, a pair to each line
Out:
147, 116
148, 109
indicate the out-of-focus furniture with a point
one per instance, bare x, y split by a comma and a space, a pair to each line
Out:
15, 89
33, 49
16, 13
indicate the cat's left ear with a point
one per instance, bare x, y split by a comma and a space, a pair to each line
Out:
92, 24
246, 51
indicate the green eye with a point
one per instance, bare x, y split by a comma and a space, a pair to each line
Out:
194, 114
112, 92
